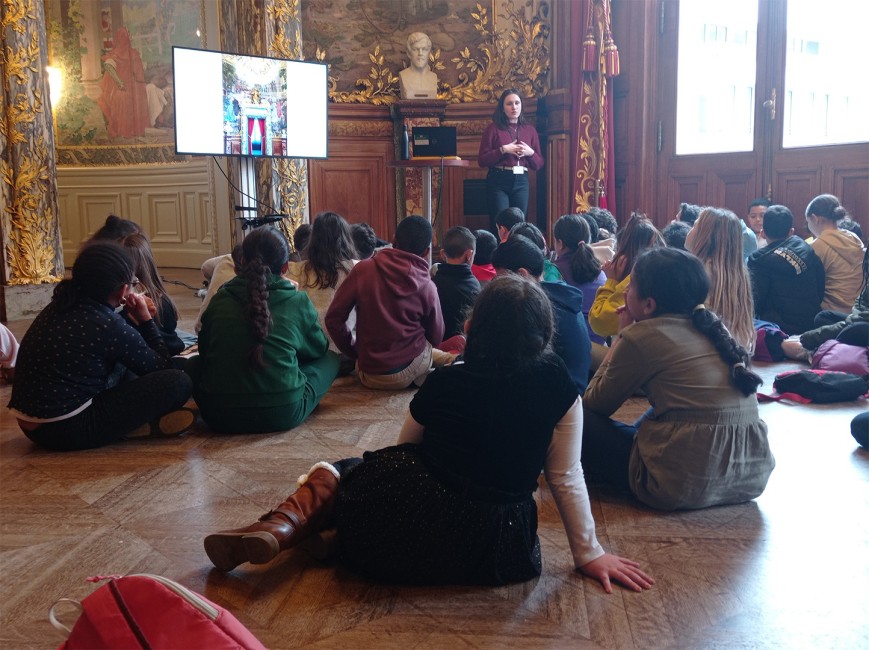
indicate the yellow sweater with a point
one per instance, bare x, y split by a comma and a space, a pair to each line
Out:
602, 317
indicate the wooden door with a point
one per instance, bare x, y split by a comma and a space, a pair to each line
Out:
735, 79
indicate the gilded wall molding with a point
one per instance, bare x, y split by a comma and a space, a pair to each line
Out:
30, 225
360, 129
511, 52
285, 25
143, 154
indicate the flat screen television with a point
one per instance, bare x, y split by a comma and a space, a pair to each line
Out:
239, 105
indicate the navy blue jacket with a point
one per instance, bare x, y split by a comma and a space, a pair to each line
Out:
571, 341
787, 281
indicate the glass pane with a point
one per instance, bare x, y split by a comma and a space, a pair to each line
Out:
826, 99
715, 77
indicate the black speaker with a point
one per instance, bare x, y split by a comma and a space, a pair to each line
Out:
474, 197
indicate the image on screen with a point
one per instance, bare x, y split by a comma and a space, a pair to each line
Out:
237, 105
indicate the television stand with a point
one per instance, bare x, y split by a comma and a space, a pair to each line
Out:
248, 203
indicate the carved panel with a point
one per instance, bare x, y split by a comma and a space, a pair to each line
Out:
795, 188
681, 188
558, 157
851, 185
171, 203
734, 189
356, 183
479, 47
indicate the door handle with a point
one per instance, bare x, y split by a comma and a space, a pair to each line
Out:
769, 104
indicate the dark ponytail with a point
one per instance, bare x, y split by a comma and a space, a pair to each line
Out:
828, 207
99, 271
678, 282
265, 252
573, 231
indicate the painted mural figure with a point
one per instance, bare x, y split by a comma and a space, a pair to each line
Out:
417, 81
124, 98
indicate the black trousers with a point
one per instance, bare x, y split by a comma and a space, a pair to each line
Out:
116, 412
504, 189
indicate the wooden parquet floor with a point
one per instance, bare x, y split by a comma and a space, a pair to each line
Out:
789, 570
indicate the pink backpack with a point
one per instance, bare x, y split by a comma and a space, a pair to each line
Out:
148, 611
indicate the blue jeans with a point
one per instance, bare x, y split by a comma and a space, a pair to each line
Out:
504, 189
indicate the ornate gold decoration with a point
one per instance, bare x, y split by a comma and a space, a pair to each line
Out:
381, 86
591, 156
348, 128
27, 170
129, 154
291, 173
591, 160
518, 58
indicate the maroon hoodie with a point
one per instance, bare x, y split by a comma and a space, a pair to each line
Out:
397, 310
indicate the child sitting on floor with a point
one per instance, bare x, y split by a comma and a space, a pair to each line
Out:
398, 315
331, 255
482, 267
703, 444
506, 219
570, 341
263, 362
72, 389
716, 239
151, 284
453, 502
638, 234
457, 286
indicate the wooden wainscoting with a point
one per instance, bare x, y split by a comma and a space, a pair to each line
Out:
354, 180
172, 203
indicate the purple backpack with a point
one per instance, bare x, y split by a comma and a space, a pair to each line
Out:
835, 355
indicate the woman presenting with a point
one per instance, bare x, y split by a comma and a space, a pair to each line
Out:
509, 148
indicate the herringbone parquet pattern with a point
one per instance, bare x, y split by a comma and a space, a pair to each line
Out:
790, 570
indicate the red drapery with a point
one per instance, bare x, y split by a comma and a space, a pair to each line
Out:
596, 61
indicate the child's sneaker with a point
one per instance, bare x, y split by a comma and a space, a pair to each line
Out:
173, 423
177, 422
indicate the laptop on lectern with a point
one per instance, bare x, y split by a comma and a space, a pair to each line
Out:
434, 142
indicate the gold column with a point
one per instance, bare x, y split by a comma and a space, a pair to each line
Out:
29, 225
270, 28
283, 32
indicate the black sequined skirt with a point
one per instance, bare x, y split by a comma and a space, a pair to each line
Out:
397, 522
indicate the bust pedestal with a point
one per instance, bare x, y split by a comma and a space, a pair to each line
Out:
409, 180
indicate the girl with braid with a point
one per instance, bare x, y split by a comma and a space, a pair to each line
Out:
263, 362
703, 442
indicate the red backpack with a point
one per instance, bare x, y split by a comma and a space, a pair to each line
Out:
148, 611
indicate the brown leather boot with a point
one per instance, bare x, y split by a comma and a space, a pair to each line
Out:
301, 515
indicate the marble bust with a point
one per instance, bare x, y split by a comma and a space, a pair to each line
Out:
417, 81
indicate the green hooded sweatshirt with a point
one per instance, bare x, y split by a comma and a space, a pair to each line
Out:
226, 340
